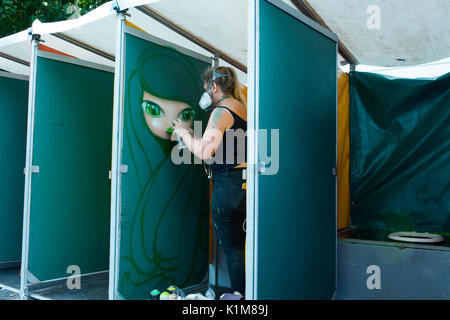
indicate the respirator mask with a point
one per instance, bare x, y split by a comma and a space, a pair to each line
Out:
206, 99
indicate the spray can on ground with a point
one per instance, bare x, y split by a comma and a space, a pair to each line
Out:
154, 294
164, 296
171, 289
173, 296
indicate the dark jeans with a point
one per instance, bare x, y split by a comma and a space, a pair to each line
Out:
228, 216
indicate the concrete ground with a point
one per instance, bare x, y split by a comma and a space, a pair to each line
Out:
8, 295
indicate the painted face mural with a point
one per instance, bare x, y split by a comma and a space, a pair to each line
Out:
165, 207
159, 114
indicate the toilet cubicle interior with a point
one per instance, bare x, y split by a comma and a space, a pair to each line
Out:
399, 166
13, 123
399, 173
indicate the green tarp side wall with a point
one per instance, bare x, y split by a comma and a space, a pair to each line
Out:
400, 153
70, 196
297, 206
13, 130
164, 226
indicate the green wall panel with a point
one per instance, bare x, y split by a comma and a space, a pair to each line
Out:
297, 217
164, 207
70, 196
13, 130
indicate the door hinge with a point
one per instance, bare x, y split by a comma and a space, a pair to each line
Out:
34, 169
261, 167
123, 169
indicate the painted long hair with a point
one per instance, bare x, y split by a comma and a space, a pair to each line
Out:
165, 212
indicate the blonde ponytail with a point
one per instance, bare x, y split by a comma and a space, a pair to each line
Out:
237, 93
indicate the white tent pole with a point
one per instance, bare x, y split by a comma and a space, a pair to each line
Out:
28, 169
335, 171
116, 158
251, 261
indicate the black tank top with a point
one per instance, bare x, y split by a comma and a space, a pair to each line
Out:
232, 151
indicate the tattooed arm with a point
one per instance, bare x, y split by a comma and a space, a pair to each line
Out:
205, 147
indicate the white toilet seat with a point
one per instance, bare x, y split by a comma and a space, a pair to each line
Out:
419, 237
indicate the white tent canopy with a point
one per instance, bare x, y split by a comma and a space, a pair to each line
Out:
222, 24
18, 45
92, 37
389, 33
411, 31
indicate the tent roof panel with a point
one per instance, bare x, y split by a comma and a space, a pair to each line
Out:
94, 16
20, 50
99, 34
410, 32
96, 30
405, 37
19, 37
222, 23
73, 50
156, 29
13, 67
151, 26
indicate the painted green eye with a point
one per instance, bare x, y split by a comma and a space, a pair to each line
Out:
187, 115
152, 109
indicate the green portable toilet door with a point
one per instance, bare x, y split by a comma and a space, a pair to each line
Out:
13, 129
70, 191
291, 237
164, 206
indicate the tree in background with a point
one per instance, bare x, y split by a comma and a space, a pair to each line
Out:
18, 15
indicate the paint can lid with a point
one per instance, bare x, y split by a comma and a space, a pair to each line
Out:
171, 289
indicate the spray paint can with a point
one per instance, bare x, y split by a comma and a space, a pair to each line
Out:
171, 289
173, 296
154, 294
164, 296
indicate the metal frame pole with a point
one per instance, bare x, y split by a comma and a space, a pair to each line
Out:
215, 64
251, 268
335, 173
28, 168
117, 158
